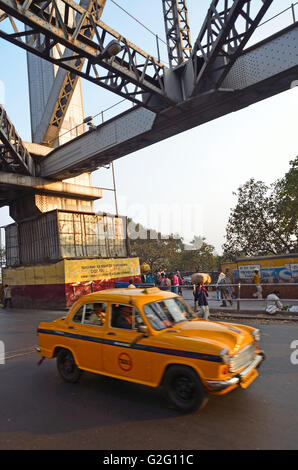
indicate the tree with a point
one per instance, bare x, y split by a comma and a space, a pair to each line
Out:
286, 190
188, 260
168, 252
257, 226
152, 248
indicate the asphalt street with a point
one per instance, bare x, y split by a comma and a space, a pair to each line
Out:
40, 411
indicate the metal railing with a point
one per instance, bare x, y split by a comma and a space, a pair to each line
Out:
291, 8
236, 299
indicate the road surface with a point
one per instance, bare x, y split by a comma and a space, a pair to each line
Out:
40, 411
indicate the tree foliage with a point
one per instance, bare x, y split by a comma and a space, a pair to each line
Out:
152, 248
264, 221
168, 252
189, 260
286, 190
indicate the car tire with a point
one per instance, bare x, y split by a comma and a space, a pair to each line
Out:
67, 367
183, 389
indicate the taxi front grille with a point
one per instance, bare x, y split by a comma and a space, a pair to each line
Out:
243, 358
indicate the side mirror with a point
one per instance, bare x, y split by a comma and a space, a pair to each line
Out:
143, 329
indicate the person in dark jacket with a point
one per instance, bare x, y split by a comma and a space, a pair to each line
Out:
201, 297
124, 318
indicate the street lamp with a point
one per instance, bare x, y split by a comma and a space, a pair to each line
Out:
111, 49
88, 120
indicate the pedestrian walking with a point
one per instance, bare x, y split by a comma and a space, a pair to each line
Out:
201, 297
168, 281
256, 279
157, 278
220, 286
180, 279
163, 283
217, 292
174, 283
7, 296
229, 290
150, 279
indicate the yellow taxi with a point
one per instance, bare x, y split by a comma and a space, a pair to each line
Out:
152, 337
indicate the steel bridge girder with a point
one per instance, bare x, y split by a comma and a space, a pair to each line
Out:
219, 43
177, 31
133, 74
14, 156
62, 90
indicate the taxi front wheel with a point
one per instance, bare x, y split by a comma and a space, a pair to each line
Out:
67, 367
184, 389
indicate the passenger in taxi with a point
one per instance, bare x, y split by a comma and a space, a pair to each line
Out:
97, 317
124, 317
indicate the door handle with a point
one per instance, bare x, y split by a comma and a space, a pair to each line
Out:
72, 328
110, 333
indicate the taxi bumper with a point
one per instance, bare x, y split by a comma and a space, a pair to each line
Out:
218, 385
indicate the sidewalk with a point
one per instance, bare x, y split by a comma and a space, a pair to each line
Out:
253, 308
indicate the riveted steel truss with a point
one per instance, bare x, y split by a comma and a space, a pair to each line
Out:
226, 30
177, 31
60, 109
132, 74
14, 157
61, 102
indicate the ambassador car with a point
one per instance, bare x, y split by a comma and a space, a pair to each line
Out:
152, 337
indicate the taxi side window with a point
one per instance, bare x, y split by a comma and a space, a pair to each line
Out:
117, 316
125, 317
78, 316
95, 314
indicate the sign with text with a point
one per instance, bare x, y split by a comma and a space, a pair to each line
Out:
294, 269
100, 269
247, 271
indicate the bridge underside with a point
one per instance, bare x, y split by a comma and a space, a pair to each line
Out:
266, 69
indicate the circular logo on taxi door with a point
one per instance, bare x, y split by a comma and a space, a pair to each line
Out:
125, 362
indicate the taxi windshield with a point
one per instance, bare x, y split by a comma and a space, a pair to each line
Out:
168, 312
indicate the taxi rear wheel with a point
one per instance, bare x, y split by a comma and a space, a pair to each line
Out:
67, 367
184, 389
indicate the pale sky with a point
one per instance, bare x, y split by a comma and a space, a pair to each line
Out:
185, 183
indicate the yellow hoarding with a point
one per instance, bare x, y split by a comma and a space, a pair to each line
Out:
283, 268
34, 275
103, 269
72, 271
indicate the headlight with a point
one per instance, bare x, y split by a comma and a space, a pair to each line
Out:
224, 354
256, 335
